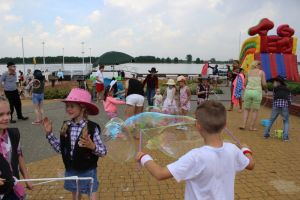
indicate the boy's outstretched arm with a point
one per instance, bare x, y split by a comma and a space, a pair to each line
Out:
248, 153
159, 172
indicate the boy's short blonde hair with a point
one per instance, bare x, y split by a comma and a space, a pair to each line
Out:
211, 115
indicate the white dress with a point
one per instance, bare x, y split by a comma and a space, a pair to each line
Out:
158, 100
169, 106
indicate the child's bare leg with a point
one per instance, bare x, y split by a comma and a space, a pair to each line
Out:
75, 196
94, 196
41, 111
36, 111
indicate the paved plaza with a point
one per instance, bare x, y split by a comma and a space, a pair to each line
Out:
276, 174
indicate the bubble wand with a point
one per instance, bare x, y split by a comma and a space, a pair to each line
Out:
140, 145
232, 136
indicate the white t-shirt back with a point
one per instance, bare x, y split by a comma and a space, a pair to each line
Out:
99, 74
209, 172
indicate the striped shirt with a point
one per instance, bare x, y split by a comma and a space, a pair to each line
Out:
75, 130
9, 81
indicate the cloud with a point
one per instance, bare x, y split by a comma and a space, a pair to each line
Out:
164, 28
12, 18
95, 16
66, 30
5, 5
131, 5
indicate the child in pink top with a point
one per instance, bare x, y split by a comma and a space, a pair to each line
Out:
184, 96
110, 103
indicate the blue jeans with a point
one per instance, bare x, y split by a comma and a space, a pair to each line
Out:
284, 112
150, 94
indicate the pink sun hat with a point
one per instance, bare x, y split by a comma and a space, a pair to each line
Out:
82, 96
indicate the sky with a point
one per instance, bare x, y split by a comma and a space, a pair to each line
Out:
163, 28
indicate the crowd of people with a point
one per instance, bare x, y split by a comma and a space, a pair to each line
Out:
80, 143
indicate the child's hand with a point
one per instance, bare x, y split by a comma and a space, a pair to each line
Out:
86, 141
29, 185
244, 145
139, 155
47, 124
2, 181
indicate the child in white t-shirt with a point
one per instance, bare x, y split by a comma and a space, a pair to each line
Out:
209, 171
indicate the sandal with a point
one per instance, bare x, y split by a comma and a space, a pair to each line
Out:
253, 129
36, 122
230, 109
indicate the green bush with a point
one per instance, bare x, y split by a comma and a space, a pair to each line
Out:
294, 87
56, 93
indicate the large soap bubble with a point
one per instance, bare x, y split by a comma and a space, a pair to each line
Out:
173, 135
119, 143
176, 140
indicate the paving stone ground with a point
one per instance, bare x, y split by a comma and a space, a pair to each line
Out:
276, 174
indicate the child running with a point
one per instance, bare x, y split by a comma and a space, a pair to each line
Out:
110, 103
80, 143
184, 96
11, 158
209, 171
281, 101
169, 106
203, 90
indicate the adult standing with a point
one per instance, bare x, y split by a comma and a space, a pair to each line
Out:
233, 74
99, 82
152, 84
255, 82
8, 81
134, 97
60, 75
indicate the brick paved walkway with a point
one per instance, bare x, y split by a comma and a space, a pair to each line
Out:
276, 175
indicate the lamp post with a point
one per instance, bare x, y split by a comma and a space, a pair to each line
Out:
90, 55
44, 54
63, 58
82, 43
23, 55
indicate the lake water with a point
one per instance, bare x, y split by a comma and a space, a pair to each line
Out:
130, 68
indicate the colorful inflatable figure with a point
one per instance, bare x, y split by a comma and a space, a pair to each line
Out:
277, 53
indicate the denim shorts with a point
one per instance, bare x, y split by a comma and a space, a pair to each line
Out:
83, 185
37, 98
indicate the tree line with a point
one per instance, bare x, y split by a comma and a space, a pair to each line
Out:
139, 59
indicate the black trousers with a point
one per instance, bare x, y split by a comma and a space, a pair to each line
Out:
14, 102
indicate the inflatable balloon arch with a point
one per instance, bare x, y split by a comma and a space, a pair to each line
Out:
277, 53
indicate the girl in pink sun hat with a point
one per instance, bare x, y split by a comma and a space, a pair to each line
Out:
80, 144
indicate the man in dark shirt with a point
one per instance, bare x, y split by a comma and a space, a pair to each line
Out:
152, 84
8, 81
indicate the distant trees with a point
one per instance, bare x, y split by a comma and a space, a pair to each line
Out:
212, 60
197, 61
139, 59
48, 60
175, 60
189, 58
